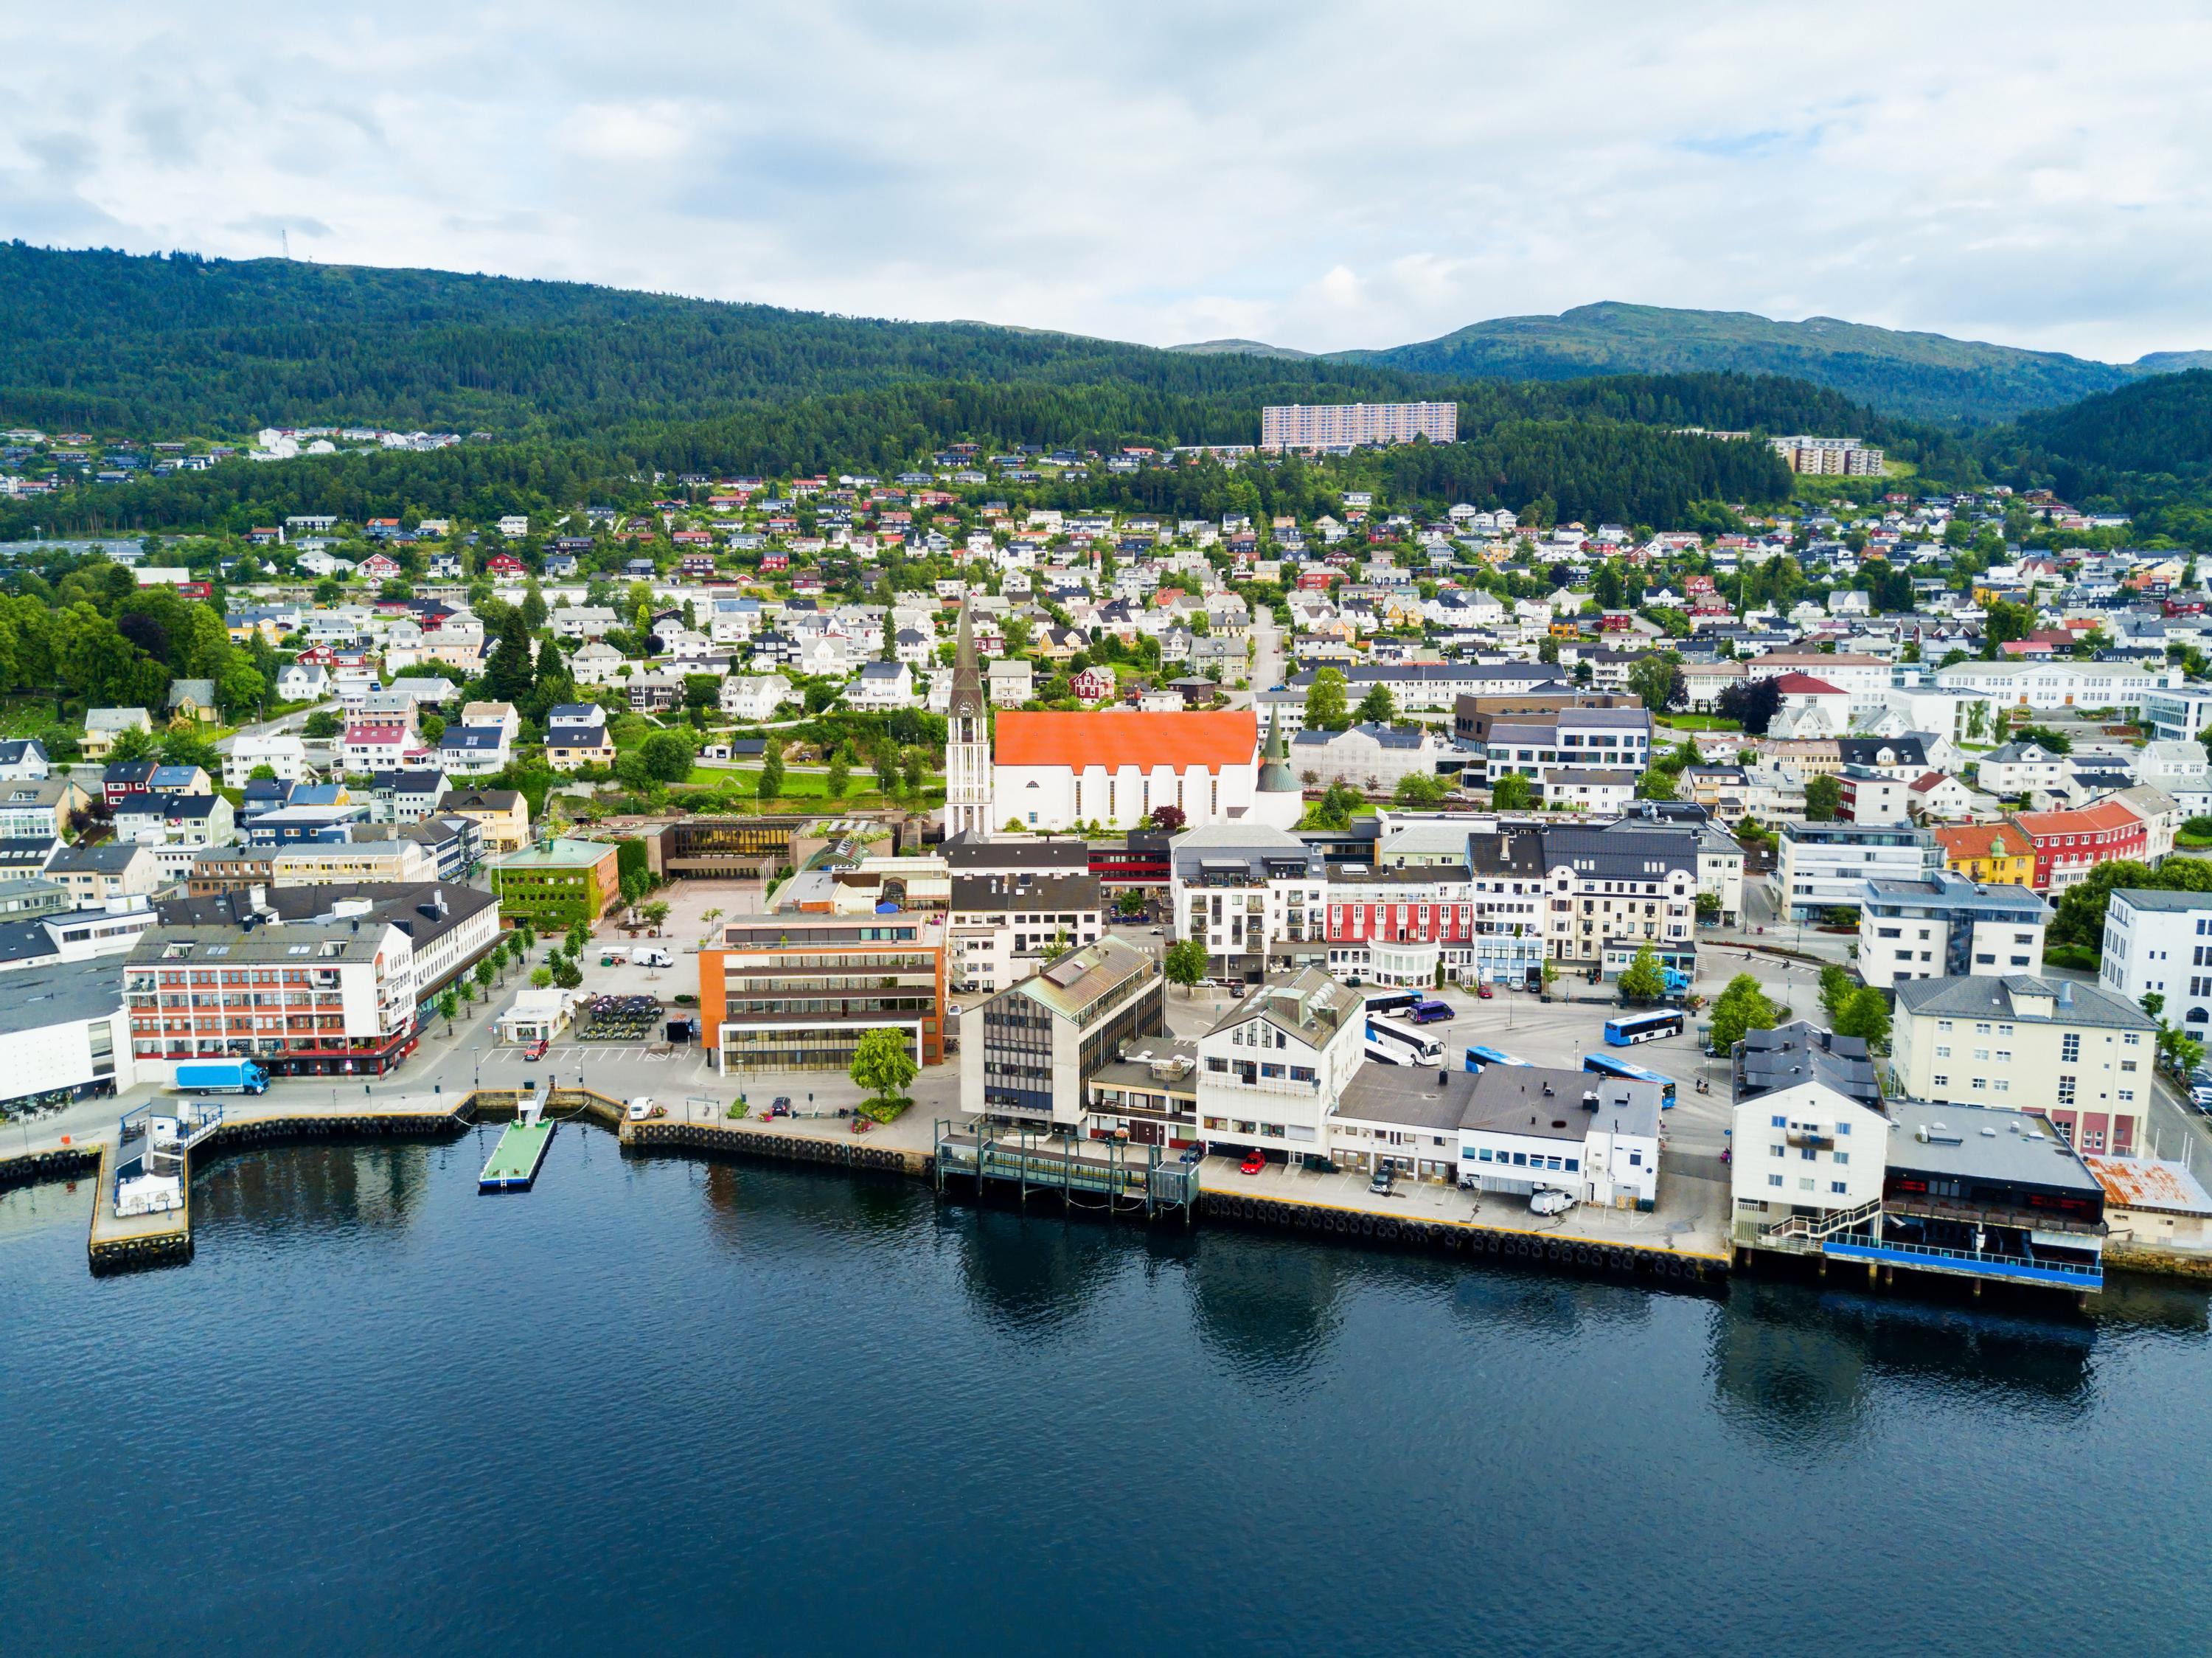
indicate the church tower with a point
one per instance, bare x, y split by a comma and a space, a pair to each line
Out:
967, 743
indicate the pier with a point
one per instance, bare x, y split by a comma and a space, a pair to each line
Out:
516, 1161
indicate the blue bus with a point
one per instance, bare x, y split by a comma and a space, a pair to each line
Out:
1635, 1028
1478, 1056
1605, 1065
1428, 1011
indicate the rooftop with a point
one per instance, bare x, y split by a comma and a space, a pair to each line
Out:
1225, 737
1794, 1054
1086, 977
2020, 995
61, 993
1409, 1096
1553, 1104
1985, 1143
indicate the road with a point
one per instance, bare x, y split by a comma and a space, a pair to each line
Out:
291, 722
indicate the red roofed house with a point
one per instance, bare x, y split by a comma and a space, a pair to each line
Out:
2069, 844
506, 563
1809, 708
1941, 796
1055, 771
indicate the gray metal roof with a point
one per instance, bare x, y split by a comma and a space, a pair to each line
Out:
62, 993
1793, 1053
2002, 998
1409, 1096
1983, 1142
1511, 1100
2142, 898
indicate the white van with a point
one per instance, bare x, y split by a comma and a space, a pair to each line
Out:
652, 958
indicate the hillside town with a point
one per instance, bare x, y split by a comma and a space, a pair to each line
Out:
1114, 795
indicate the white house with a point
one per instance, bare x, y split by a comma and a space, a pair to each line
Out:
282, 752
1809, 1140
882, 685
1527, 1128
2160, 943
1272, 1067
755, 697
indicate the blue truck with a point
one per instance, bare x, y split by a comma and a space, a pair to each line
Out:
221, 1076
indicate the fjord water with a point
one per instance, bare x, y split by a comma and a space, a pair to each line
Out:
678, 1407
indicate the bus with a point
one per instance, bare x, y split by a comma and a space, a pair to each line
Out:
1605, 1065
1478, 1056
1392, 1001
1428, 1011
1394, 1043
1635, 1028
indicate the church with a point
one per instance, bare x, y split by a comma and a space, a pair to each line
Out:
1047, 773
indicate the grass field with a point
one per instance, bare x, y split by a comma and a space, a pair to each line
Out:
1699, 722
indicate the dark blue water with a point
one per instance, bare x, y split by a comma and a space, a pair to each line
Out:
683, 1408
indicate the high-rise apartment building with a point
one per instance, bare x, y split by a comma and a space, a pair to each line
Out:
1334, 425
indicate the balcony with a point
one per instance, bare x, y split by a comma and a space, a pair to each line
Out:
1815, 1135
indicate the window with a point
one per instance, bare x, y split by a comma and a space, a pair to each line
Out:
2069, 1047
1779, 1151
1981, 1053
1943, 1050
2065, 1089
1944, 1026
1837, 1186
1774, 1179
1842, 1129
1981, 1030
1781, 1122
1939, 1080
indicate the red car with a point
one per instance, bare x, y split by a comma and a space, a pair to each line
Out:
1255, 1160
536, 1050
1482, 992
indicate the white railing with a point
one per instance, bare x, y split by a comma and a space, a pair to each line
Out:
1811, 1226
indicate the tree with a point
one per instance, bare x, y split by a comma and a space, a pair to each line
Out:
431, 726
1335, 809
1510, 793
132, 744
541, 978
653, 915
1129, 902
1865, 1014
2081, 917
1743, 1006
512, 666
1644, 979
840, 775
771, 773
666, 756
882, 1064
1419, 788
566, 973
1836, 988
1325, 707
2052, 742
914, 768
1658, 680
1186, 963
1752, 703
1824, 798
468, 992
1168, 818
448, 1005
1656, 784
1378, 706
483, 975
1978, 719
322, 723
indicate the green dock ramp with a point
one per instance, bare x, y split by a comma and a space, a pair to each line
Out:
516, 1161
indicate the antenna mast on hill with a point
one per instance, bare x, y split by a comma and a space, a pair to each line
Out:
286, 235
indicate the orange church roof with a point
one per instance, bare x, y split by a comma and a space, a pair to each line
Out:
1221, 738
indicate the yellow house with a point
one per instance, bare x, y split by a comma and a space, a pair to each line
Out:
503, 814
1994, 853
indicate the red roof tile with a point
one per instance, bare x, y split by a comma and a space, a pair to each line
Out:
1223, 738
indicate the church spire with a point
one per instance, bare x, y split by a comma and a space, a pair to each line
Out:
1275, 762
967, 676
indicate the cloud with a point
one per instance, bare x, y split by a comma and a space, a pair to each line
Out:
1276, 169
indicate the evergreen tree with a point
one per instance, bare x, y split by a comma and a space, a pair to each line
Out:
510, 674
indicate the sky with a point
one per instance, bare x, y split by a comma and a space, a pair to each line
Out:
1321, 176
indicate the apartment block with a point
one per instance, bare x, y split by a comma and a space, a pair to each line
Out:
790, 993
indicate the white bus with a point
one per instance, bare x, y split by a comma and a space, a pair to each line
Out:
1394, 1043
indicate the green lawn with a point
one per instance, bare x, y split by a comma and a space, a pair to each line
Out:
1699, 722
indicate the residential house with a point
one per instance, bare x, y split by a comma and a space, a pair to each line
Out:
1945, 926
192, 700
103, 725
576, 736
1273, 1066
22, 758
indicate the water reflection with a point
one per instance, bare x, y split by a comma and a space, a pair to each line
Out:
1545, 1303
313, 1188
1799, 1366
1035, 1273
1269, 1306
741, 1197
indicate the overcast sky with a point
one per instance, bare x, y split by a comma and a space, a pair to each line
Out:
1317, 175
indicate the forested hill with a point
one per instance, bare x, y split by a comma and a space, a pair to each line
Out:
1910, 373
1589, 450
152, 346
2161, 426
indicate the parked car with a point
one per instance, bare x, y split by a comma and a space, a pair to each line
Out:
536, 1050
1482, 992
781, 1105
1549, 1200
1192, 1154
1254, 1162
1380, 1183
2200, 1095
643, 1106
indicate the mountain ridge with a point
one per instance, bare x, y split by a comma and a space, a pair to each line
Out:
1908, 372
